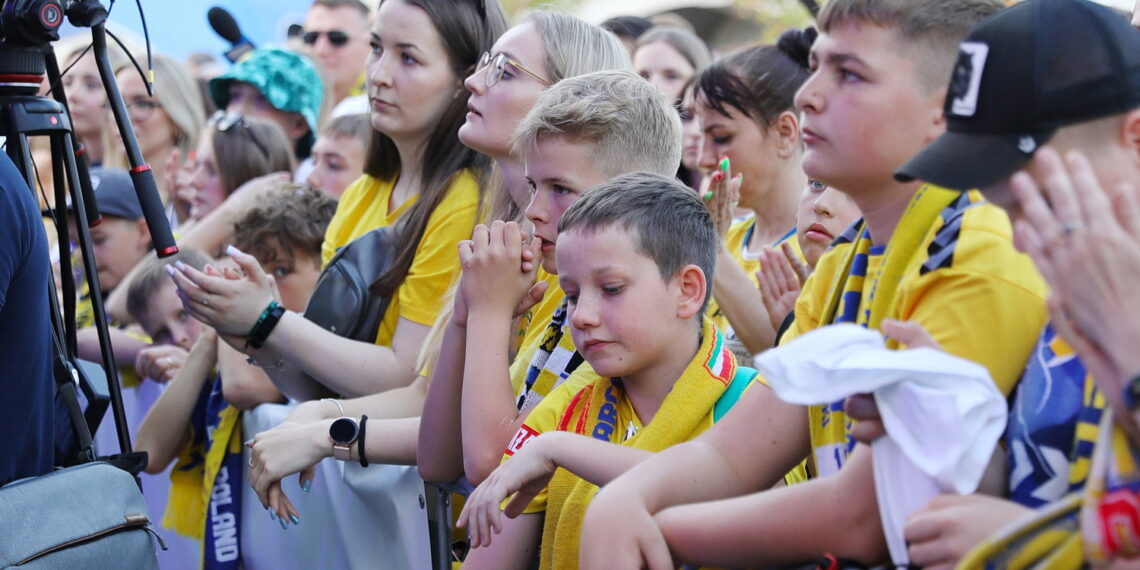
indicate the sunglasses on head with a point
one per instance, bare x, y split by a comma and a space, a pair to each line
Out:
337, 38
225, 122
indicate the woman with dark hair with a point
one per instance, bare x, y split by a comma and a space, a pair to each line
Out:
417, 173
751, 128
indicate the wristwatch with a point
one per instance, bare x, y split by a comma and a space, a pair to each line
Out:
1132, 393
343, 433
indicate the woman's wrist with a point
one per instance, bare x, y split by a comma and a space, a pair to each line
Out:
320, 437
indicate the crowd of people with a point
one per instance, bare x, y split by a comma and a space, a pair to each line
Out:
627, 300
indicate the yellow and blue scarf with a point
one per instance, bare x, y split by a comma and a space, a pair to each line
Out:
707, 388
206, 483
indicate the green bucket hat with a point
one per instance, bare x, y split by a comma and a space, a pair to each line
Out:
287, 79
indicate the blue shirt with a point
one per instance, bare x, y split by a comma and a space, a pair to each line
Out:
26, 384
1053, 424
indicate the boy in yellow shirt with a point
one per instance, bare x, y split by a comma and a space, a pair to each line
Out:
921, 253
662, 373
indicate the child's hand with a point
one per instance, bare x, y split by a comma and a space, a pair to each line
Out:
230, 305
949, 526
525, 474
780, 278
277, 453
160, 362
176, 177
496, 275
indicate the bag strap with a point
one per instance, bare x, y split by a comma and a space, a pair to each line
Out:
739, 384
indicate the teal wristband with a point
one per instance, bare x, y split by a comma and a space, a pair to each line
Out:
264, 325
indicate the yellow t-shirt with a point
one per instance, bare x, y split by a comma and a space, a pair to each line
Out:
736, 242
364, 207
976, 295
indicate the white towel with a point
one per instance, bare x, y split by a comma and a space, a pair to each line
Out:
943, 415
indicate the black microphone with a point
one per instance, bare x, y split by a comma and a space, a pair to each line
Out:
225, 26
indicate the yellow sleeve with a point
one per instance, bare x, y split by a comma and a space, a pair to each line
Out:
989, 306
543, 418
436, 262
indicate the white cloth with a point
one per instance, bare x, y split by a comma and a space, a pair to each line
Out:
943, 415
353, 517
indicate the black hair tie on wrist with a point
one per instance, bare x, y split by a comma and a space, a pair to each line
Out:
360, 440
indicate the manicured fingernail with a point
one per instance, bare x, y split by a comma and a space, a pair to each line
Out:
295, 520
307, 486
231, 250
724, 163
284, 525
708, 195
180, 265
169, 269
272, 515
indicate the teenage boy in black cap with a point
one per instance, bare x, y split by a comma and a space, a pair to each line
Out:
1064, 73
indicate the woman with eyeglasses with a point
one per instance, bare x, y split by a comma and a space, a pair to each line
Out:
166, 125
528, 59
232, 151
416, 173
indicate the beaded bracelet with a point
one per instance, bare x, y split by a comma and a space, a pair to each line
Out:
264, 325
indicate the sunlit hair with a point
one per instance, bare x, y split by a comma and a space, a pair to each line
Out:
626, 119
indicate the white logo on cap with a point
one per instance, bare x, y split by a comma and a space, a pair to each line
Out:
1026, 144
967, 78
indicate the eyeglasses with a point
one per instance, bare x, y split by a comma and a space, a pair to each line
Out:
139, 111
338, 38
225, 122
499, 65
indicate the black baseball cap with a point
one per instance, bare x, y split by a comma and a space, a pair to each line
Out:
1022, 74
115, 194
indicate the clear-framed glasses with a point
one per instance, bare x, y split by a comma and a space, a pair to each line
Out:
224, 122
498, 64
138, 111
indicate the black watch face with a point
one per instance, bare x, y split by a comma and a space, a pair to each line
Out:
344, 430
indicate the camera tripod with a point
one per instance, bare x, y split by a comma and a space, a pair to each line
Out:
26, 59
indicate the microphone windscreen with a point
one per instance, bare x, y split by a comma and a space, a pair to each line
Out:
224, 24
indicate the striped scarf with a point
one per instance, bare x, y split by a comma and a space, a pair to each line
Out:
554, 361
207, 482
